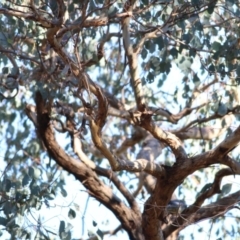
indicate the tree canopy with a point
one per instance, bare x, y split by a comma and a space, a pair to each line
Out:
138, 100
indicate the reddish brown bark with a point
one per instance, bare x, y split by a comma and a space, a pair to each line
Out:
129, 218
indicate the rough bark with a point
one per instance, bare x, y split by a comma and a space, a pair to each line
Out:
129, 218
152, 223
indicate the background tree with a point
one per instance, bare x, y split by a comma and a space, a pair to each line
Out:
106, 73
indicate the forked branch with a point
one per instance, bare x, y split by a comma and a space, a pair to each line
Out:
85, 174
186, 216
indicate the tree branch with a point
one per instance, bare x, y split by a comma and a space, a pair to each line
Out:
228, 144
131, 221
96, 125
135, 138
217, 208
174, 118
132, 58
77, 146
20, 55
206, 133
29, 16
216, 115
207, 191
168, 138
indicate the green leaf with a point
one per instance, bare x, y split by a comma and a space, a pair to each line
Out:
211, 7
38, 204
76, 206
184, 63
187, 38
31, 171
25, 180
144, 53
35, 190
211, 68
112, 10
145, 2
100, 233
192, 52
63, 192
148, 44
3, 221
61, 228
160, 83
198, 25
196, 79
238, 71
150, 77
196, 42
14, 71
37, 173
174, 52
160, 42
162, 67
7, 185
71, 213
8, 208
5, 70
94, 223
216, 46
152, 47
223, 123
222, 109
54, 7
226, 188
3, 40
51, 196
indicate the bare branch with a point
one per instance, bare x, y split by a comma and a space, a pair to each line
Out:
136, 137
132, 58
104, 172
217, 208
153, 34
200, 121
119, 185
168, 138
216, 155
96, 125
228, 144
89, 22
138, 165
77, 147
100, 50
231, 163
206, 133
212, 210
21, 56
150, 150
174, 118
208, 191
47, 23
84, 174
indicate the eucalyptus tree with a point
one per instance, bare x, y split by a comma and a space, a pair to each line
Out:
141, 89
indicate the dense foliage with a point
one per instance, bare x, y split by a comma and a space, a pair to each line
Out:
142, 93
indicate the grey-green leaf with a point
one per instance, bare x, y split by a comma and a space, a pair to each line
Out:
226, 188
222, 109
71, 213
61, 228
